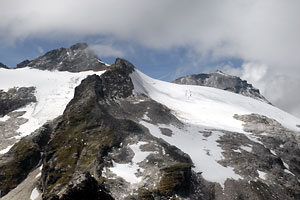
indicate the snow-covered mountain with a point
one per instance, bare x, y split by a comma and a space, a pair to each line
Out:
119, 134
222, 81
77, 58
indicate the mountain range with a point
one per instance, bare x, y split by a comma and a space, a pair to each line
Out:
73, 127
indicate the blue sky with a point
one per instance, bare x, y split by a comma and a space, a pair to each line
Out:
165, 64
256, 40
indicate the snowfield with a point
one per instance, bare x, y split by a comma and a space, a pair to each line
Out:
202, 109
208, 106
54, 90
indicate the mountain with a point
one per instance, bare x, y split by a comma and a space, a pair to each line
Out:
119, 134
222, 81
77, 58
3, 66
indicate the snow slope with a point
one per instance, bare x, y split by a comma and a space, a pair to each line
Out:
207, 106
54, 90
202, 109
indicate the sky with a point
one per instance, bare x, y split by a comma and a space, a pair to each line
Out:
258, 40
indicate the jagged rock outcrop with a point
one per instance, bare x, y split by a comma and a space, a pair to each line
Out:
77, 58
22, 158
15, 98
222, 81
84, 186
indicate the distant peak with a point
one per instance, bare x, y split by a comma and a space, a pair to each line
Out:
79, 46
222, 81
76, 58
220, 72
3, 66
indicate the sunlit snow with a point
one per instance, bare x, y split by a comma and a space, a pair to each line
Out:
262, 174
34, 194
129, 171
208, 106
204, 151
54, 90
6, 149
203, 108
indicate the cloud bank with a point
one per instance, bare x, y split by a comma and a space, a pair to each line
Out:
265, 34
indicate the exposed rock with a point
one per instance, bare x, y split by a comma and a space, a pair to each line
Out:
273, 152
22, 64
25, 189
9, 128
222, 81
77, 58
22, 158
176, 179
15, 98
84, 186
3, 66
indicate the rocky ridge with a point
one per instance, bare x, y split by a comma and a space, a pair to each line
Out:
222, 81
15, 98
77, 58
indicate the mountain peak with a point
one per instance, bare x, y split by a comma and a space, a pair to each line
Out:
76, 58
79, 46
222, 81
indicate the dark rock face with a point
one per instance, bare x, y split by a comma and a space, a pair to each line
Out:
3, 66
22, 158
15, 98
175, 178
224, 82
84, 186
77, 58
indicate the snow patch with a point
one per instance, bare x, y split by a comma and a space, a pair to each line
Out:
38, 175
34, 194
145, 117
246, 148
4, 118
261, 174
129, 171
205, 154
288, 171
236, 150
273, 152
6, 149
100, 61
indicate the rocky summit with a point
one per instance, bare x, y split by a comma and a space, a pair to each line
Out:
119, 134
77, 58
222, 81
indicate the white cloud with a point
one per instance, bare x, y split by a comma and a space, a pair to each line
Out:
279, 88
256, 31
104, 51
